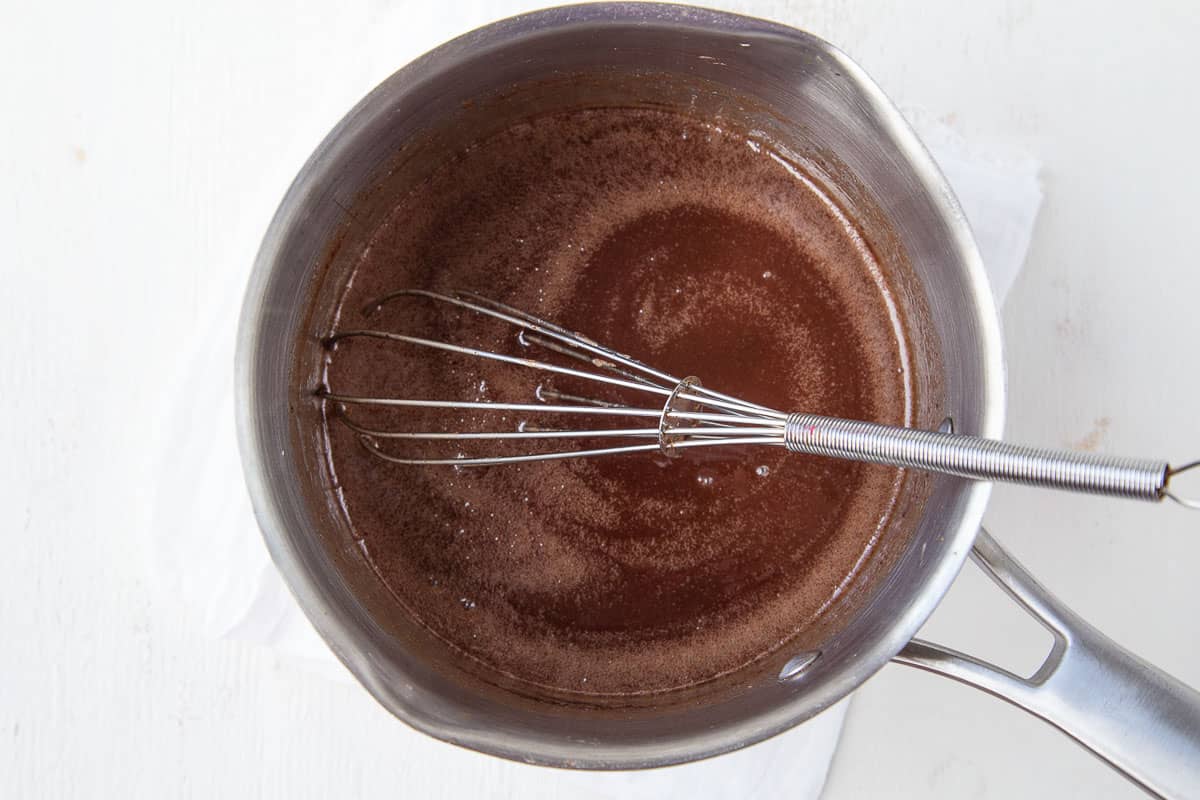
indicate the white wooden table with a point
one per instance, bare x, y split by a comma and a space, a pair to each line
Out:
143, 149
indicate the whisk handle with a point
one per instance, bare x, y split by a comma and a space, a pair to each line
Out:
976, 458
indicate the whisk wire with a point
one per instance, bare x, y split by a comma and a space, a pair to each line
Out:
690, 416
528, 322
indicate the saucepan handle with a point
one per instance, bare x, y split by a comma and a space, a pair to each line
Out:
1129, 713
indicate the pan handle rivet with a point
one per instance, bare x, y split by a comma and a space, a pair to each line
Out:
797, 664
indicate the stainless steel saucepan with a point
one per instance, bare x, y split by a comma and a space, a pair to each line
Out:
815, 102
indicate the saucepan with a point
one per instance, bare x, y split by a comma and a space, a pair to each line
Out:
818, 104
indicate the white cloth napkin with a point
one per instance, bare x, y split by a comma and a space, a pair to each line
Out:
209, 550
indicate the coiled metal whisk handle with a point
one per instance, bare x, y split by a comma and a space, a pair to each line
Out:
981, 459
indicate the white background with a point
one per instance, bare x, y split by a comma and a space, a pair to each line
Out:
142, 152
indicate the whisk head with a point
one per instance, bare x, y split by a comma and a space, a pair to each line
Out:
656, 412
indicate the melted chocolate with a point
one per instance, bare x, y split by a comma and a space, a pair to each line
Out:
696, 250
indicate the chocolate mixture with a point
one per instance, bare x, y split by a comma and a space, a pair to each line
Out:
697, 250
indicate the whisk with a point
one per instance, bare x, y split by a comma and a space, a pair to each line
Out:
674, 415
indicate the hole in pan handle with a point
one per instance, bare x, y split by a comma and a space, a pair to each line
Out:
1132, 715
